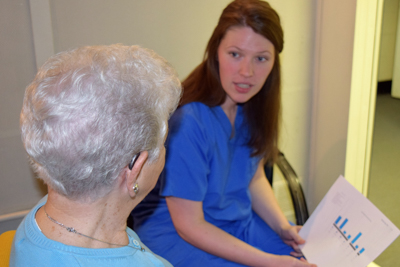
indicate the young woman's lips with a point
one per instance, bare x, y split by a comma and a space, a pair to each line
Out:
243, 87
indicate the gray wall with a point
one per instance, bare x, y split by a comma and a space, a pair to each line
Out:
388, 40
334, 36
315, 79
18, 190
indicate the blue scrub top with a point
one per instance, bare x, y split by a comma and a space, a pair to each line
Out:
206, 161
209, 161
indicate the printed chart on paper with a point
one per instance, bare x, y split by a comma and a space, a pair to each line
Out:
346, 229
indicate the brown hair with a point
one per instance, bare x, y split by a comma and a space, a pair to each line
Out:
263, 111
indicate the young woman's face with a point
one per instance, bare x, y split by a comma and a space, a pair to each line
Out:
245, 60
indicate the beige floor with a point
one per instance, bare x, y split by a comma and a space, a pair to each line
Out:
384, 186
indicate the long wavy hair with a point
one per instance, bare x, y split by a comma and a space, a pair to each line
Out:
263, 111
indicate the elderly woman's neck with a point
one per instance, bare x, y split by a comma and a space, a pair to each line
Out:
91, 209
103, 219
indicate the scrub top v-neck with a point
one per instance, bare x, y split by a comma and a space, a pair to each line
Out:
209, 161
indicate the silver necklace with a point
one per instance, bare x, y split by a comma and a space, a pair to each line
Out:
72, 230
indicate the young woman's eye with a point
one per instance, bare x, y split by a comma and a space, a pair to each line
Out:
262, 59
234, 54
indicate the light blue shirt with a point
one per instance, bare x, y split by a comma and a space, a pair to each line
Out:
32, 248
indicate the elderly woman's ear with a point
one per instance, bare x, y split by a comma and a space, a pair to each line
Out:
133, 171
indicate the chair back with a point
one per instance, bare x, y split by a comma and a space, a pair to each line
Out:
6, 239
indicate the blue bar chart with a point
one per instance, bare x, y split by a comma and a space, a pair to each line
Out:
340, 226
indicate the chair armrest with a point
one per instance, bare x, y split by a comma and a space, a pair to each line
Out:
295, 188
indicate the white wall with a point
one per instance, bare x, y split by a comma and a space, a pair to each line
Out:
176, 29
315, 78
297, 75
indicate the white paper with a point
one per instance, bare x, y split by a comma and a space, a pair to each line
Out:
346, 229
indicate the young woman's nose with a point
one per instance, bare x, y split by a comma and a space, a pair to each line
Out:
246, 68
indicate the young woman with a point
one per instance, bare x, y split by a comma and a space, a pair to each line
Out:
214, 205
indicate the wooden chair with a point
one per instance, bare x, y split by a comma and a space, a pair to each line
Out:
6, 239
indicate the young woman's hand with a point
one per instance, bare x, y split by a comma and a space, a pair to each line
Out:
290, 235
291, 262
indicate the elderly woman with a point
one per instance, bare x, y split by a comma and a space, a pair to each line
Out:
93, 123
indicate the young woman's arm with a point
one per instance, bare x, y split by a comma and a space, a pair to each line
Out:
189, 222
266, 206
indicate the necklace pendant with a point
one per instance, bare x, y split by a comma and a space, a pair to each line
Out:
71, 230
